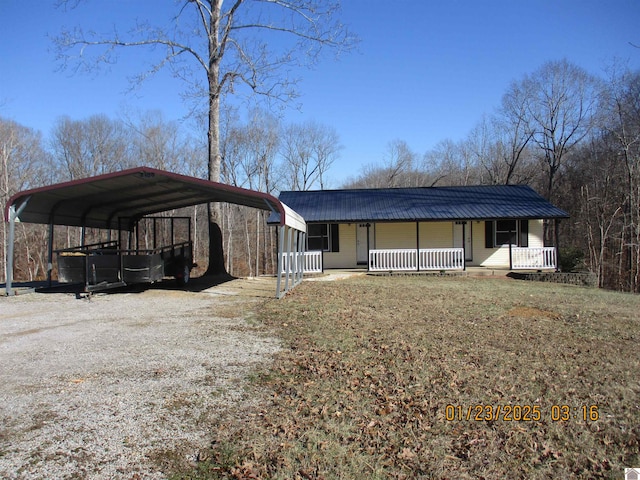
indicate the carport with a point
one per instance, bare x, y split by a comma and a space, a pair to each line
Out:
105, 200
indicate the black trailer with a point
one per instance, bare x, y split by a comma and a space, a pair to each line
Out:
152, 254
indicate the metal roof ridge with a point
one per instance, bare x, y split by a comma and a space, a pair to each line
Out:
441, 187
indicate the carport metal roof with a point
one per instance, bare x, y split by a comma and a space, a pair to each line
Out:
99, 201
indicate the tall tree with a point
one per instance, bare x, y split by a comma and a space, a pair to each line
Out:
218, 49
514, 134
308, 150
620, 119
89, 147
557, 105
23, 164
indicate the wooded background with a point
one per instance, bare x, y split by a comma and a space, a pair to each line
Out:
572, 136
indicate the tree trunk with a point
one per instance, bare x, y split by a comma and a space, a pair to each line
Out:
216, 251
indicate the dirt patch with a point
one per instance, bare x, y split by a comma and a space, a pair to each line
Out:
124, 384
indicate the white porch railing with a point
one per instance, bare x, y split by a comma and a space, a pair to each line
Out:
410, 259
312, 262
442, 259
533, 258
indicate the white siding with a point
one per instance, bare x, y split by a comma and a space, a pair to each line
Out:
536, 233
436, 235
396, 235
346, 257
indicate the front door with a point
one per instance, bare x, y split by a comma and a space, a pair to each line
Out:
457, 239
362, 246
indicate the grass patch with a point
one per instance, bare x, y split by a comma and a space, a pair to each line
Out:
372, 364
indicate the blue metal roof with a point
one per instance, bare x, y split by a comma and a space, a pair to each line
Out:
488, 202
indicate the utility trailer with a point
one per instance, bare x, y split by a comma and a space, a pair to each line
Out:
152, 254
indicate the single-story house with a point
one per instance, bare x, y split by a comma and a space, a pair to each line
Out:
430, 228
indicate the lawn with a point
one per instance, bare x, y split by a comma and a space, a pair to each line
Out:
440, 378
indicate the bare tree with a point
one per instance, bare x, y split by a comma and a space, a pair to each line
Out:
399, 161
620, 119
514, 136
308, 150
231, 47
453, 163
400, 167
557, 106
159, 143
89, 147
23, 164
249, 152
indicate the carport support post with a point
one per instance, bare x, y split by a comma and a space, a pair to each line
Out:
280, 262
13, 216
299, 257
50, 255
290, 259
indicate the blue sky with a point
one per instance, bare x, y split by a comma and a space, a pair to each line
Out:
425, 70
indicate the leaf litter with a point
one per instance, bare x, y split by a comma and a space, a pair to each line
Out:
378, 374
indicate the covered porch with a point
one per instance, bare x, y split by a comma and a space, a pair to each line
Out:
511, 244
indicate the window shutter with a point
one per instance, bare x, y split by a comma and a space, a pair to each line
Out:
335, 238
488, 234
524, 233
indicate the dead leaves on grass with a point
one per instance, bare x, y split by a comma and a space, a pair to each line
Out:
362, 391
532, 313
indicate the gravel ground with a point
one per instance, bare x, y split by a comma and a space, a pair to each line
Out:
123, 385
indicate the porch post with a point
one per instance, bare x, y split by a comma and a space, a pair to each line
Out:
557, 242
510, 250
368, 225
418, 246
464, 246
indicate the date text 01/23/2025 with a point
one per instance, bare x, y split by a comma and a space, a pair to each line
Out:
521, 413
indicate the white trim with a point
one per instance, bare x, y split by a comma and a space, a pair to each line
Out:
293, 219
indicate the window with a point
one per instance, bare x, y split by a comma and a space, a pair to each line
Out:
323, 236
506, 232
499, 233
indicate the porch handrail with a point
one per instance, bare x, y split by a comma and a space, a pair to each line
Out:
410, 259
529, 258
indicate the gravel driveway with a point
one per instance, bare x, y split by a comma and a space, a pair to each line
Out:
122, 385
